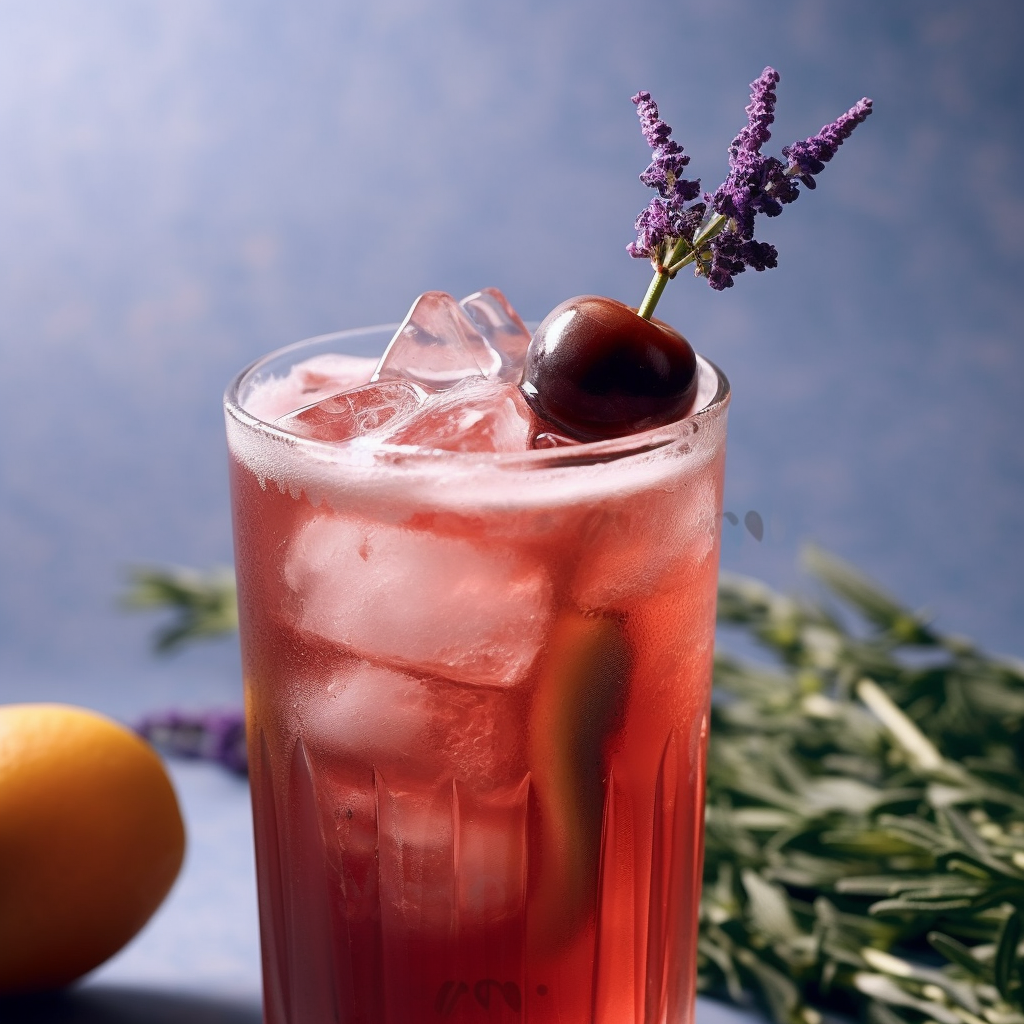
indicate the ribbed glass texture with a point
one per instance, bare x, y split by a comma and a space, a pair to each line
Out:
477, 695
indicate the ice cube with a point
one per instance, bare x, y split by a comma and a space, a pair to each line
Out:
354, 413
647, 543
476, 415
308, 382
412, 727
502, 329
408, 598
371, 715
332, 372
437, 345
452, 861
441, 341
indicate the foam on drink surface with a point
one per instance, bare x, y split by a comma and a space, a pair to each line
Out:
445, 387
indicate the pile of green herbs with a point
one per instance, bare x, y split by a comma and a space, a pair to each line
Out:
865, 815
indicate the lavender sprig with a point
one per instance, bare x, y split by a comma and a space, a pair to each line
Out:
717, 234
208, 736
666, 216
809, 157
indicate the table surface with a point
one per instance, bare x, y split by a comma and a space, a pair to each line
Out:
198, 958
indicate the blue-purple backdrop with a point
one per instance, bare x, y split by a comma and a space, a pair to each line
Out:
185, 184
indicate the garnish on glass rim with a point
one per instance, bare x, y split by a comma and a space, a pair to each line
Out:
598, 369
716, 235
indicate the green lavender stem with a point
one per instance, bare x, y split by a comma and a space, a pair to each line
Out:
654, 290
683, 254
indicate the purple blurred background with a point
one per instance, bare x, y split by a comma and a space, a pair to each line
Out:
185, 185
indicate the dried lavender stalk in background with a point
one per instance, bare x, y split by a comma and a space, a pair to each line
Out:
217, 736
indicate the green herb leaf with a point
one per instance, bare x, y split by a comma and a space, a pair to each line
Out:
958, 953
1006, 954
204, 603
867, 782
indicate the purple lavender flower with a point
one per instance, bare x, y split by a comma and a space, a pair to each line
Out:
760, 114
731, 254
756, 184
665, 215
725, 261
720, 242
209, 736
763, 184
760, 255
809, 157
651, 231
659, 222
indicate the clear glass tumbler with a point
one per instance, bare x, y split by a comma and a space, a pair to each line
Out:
477, 691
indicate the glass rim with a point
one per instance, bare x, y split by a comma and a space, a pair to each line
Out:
584, 453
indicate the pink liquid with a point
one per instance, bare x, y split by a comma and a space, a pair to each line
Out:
477, 736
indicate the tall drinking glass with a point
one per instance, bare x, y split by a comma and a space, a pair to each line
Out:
477, 692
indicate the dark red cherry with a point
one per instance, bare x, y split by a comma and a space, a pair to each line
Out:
598, 370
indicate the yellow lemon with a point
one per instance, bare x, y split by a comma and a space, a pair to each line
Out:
91, 840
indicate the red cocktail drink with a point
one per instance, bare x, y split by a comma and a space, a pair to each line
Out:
477, 680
